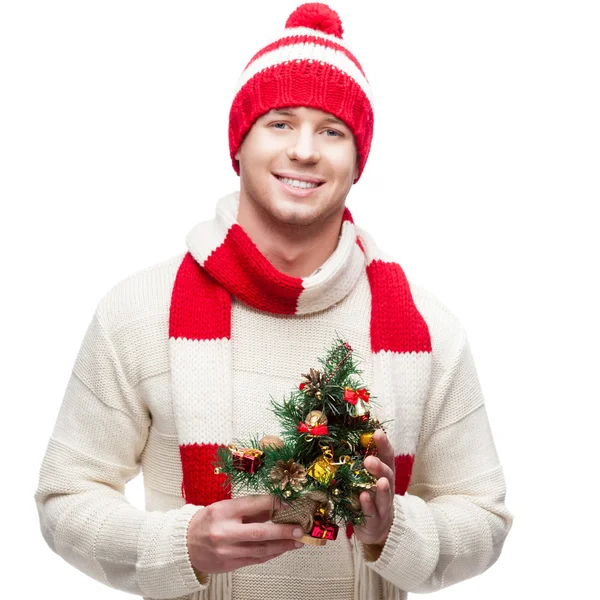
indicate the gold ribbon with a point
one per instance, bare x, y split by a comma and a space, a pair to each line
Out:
343, 460
251, 452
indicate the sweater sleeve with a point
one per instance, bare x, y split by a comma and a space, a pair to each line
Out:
94, 450
452, 522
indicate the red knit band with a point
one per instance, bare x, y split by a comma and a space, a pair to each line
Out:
396, 324
403, 465
347, 216
200, 307
303, 83
241, 268
201, 485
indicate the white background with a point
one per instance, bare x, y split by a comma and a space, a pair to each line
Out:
483, 182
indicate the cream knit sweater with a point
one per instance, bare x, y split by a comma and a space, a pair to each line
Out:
117, 417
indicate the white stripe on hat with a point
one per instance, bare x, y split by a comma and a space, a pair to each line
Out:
298, 52
294, 31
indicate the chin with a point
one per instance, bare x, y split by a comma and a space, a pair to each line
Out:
295, 215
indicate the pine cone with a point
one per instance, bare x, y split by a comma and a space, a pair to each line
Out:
313, 383
290, 473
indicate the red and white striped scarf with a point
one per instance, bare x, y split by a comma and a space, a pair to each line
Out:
224, 262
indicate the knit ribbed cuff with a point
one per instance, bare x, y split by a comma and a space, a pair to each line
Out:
181, 553
411, 550
391, 543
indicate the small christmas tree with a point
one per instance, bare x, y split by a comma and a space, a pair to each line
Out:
317, 467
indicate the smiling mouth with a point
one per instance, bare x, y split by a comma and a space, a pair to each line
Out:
298, 184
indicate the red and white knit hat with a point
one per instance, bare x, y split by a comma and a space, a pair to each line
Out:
307, 65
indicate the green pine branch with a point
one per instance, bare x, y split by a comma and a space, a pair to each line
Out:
339, 370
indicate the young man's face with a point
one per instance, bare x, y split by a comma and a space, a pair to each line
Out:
306, 145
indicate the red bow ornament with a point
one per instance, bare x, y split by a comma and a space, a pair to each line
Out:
316, 430
353, 396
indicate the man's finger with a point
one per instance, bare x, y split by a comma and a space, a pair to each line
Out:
378, 468
264, 532
259, 517
368, 508
263, 516
245, 506
262, 549
385, 451
383, 498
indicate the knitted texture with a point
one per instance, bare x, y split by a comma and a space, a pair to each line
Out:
223, 259
307, 65
118, 416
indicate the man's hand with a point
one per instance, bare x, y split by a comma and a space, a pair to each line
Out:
378, 508
231, 534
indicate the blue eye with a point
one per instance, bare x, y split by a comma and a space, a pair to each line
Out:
335, 133
278, 123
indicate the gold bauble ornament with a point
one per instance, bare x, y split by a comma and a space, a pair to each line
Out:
287, 493
337, 492
315, 417
322, 469
270, 440
366, 438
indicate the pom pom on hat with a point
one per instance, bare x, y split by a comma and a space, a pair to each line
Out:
316, 15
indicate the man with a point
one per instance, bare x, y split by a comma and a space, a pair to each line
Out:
181, 358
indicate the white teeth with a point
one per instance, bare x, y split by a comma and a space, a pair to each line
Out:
298, 184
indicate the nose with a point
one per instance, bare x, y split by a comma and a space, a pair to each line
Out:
303, 147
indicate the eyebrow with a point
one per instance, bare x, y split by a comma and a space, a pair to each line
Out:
334, 120
281, 111
289, 113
